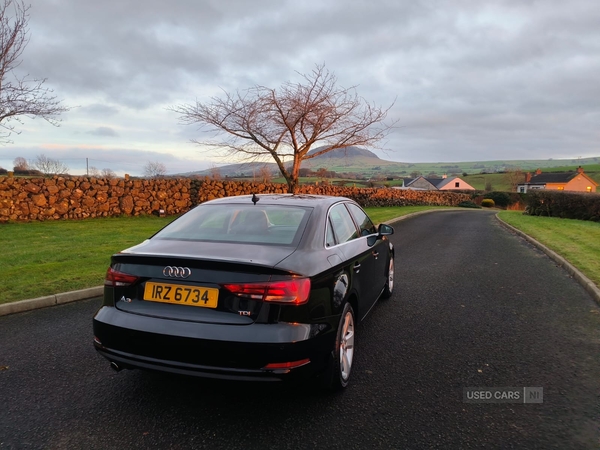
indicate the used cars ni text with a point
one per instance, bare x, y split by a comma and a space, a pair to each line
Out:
266, 287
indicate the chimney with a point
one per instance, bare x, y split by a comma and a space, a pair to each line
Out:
527, 177
538, 171
444, 176
580, 169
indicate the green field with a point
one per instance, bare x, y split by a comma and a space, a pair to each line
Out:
589, 168
397, 171
373, 167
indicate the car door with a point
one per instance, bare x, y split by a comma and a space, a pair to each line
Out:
357, 253
379, 249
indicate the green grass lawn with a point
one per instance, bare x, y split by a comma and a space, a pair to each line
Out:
45, 258
577, 241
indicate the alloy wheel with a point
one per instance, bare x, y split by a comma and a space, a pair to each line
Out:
347, 346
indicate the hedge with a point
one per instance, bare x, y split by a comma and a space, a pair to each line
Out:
566, 205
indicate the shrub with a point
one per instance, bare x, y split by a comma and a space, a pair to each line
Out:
500, 198
566, 205
487, 203
28, 172
468, 205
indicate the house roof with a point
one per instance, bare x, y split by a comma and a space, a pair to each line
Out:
433, 181
446, 181
549, 177
438, 183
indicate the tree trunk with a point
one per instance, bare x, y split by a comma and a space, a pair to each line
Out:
293, 185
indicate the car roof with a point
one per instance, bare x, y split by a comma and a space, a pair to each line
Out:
306, 200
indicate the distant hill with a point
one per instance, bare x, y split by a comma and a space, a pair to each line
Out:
342, 157
362, 161
348, 152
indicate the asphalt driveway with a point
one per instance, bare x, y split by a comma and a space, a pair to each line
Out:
474, 306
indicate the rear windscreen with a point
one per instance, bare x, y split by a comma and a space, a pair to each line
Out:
255, 224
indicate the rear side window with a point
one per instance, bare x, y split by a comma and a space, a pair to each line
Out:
342, 224
362, 220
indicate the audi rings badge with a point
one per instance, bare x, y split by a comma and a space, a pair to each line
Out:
177, 272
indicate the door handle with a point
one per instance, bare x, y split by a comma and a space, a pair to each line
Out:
375, 254
356, 267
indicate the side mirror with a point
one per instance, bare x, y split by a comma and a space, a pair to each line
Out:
384, 230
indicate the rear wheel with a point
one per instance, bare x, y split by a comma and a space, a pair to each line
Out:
337, 376
389, 284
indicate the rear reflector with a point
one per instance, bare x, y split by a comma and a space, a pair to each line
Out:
115, 278
289, 292
286, 365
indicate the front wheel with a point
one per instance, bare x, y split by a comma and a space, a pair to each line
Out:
389, 284
337, 376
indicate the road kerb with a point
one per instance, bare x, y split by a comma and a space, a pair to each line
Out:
49, 300
584, 281
81, 294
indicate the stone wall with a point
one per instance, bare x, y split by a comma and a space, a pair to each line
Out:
60, 198
208, 190
27, 199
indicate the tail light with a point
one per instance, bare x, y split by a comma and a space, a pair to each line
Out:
115, 278
290, 292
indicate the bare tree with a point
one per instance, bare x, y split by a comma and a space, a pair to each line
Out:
265, 174
20, 164
215, 173
49, 166
322, 172
93, 171
515, 176
155, 169
283, 124
19, 95
108, 173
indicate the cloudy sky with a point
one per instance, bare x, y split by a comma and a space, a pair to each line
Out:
471, 79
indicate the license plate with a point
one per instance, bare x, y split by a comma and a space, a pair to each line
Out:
181, 294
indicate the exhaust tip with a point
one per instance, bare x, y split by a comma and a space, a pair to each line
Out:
115, 367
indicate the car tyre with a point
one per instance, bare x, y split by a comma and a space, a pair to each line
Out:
338, 373
389, 284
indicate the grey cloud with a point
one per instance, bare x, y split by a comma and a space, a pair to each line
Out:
463, 72
103, 131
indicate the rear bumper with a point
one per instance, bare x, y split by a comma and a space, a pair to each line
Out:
235, 352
